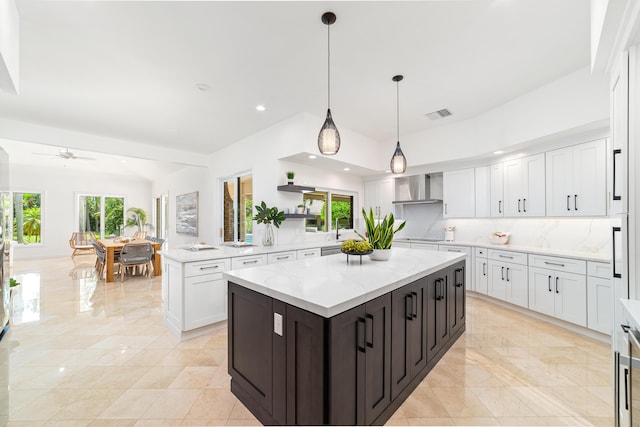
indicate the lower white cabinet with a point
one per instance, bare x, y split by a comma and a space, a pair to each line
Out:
559, 294
599, 297
508, 276
463, 250
308, 253
481, 275
278, 257
248, 261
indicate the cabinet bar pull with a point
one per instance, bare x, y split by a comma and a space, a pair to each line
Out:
502, 272
507, 274
519, 200
484, 268
283, 257
554, 263
550, 284
459, 283
250, 262
499, 206
360, 335
369, 343
454, 250
308, 253
505, 256
568, 198
575, 202
626, 389
557, 292
613, 246
408, 306
615, 153
524, 205
212, 267
445, 209
414, 299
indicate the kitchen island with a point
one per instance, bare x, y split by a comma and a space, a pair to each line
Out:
326, 341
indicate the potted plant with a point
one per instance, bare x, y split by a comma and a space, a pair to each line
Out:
271, 217
290, 176
303, 206
379, 234
137, 217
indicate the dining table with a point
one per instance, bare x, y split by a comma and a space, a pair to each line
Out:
115, 245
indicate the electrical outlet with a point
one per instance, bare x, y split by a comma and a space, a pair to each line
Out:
277, 323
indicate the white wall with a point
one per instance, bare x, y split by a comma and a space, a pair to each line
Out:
59, 188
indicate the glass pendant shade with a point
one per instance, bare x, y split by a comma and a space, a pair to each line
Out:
329, 137
398, 160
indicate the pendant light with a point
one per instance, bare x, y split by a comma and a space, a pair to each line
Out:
329, 137
398, 160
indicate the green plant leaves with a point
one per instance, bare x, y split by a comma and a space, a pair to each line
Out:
266, 215
379, 234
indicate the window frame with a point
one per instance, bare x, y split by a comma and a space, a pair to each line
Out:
330, 224
103, 196
43, 204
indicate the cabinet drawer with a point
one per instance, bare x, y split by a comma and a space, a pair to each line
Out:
507, 256
401, 244
248, 261
281, 257
599, 269
307, 253
558, 264
200, 268
424, 246
453, 248
481, 252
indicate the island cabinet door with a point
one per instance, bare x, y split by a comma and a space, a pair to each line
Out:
250, 344
455, 300
408, 334
305, 384
436, 312
360, 363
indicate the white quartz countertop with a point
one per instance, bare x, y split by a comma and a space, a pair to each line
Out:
632, 312
589, 256
187, 255
328, 285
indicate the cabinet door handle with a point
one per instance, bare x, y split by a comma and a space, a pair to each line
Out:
575, 202
557, 292
550, 284
414, 299
439, 289
484, 268
442, 289
445, 209
568, 199
507, 274
459, 283
502, 274
613, 259
524, 205
519, 200
558, 264
499, 206
615, 153
360, 332
626, 389
212, 267
369, 343
408, 306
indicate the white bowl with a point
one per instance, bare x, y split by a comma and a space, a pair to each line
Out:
495, 240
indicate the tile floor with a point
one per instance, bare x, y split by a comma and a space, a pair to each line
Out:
86, 353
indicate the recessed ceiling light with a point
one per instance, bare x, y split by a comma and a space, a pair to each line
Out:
347, 169
312, 156
387, 171
260, 107
203, 86
498, 152
123, 161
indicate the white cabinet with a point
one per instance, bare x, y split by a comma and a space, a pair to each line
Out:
559, 290
458, 192
481, 272
576, 180
508, 276
248, 261
378, 195
496, 190
483, 194
308, 253
469, 269
599, 297
277, 257
524, 190
619, 107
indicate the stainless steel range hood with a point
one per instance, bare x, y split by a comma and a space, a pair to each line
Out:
414, 189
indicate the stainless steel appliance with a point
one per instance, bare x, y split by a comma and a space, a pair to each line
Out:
413, 190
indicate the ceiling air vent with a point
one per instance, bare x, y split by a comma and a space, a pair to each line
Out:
439, 114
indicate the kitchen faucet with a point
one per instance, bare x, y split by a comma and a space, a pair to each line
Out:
337, 229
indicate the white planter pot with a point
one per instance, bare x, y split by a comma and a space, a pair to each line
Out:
380, 255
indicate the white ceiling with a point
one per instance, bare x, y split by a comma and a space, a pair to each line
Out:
129, 69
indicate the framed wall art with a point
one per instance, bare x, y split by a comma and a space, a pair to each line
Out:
187, 214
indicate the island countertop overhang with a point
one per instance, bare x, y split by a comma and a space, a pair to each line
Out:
328, 285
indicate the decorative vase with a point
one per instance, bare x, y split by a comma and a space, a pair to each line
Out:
268, 238
380, 255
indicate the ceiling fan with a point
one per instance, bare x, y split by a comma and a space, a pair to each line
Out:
66, 155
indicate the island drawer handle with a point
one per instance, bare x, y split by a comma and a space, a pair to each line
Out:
554, 263
212, 267
250, 262
361, 322
414, 298
458, 283
369, 343
408, 306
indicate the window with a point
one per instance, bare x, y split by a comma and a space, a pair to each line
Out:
92, 210
340, 211
27, 218
237, 204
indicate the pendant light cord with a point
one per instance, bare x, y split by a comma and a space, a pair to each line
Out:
328, 67
398, 109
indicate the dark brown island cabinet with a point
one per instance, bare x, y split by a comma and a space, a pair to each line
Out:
355, 368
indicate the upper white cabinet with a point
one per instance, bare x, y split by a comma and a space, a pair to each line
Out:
379, 196
458, 190
496, 190
619, 106
483, 198
576, 180
524, 190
